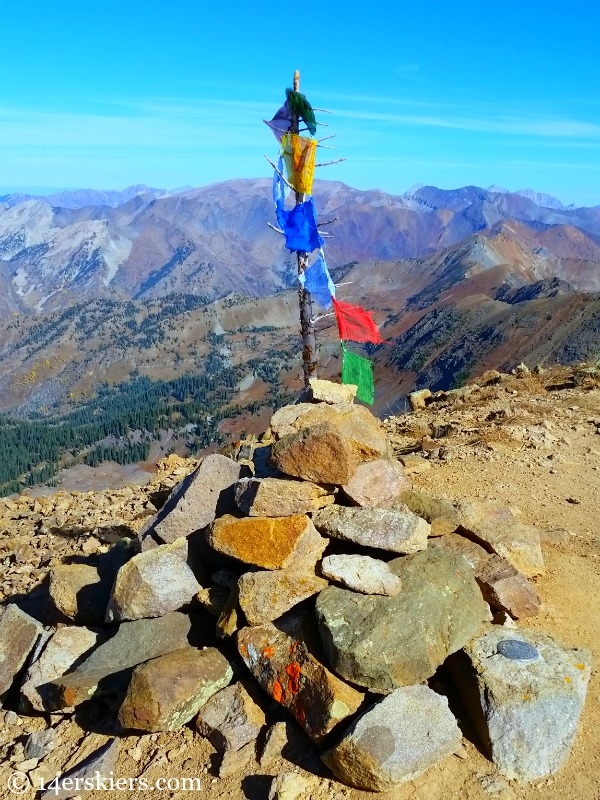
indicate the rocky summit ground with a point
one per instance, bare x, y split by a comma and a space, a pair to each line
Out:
528, 442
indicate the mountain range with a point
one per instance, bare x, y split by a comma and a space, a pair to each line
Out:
215, 240
458, 280
155, 320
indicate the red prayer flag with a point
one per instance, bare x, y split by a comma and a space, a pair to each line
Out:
355, 323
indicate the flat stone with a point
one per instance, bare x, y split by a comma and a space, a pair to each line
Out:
154, 582
377, 483
294, 678
396, 741
18, 634
265, 596
230, 719
500, 531
382, 528
99, 767
383, 643
361, 574
66, 646
330, 392
275, 741
526, 712
134, 643
228, 621
168, 691
278, 497
418, 399
291, 786
267, 542
507, 589
195, 502
414, 464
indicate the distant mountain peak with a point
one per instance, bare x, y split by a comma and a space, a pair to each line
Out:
542, 199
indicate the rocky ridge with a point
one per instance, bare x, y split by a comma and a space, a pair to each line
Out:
325, 670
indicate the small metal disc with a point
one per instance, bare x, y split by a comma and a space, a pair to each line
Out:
517, 650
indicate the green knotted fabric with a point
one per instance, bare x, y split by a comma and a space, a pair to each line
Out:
359, 371
300, 107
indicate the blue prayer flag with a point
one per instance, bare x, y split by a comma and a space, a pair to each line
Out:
317, 280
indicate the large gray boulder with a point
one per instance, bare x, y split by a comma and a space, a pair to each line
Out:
383, 643
396, 740
526, 710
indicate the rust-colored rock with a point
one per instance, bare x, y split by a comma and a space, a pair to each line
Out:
270, 543
318, 453
293, 677
355, 426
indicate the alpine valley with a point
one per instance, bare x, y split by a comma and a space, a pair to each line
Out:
137, 322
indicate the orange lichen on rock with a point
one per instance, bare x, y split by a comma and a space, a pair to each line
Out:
293, 670
277, 691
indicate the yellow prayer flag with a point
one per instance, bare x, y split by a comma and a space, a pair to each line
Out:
299, 155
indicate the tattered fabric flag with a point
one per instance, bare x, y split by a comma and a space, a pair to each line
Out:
299, 105
355, 323
299, 225
359, 371
279, 193
280, 124
317, 280
299, 155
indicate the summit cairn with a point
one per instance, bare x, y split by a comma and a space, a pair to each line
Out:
311, 583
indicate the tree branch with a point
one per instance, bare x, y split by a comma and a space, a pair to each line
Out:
327, 163
287, 183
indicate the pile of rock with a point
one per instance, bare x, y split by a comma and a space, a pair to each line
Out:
311, 574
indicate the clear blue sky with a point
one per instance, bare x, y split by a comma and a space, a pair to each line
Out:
106, 94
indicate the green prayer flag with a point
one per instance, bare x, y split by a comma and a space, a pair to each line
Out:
359, 371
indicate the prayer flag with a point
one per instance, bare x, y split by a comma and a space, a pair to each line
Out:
300, 227
359, 371
280, 124
299, 105
317, 280
299, 154
355, 323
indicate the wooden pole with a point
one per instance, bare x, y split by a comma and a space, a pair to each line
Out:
307, 325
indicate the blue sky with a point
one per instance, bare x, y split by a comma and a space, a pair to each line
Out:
106, 94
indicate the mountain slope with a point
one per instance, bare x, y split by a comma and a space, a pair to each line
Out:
215, 240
